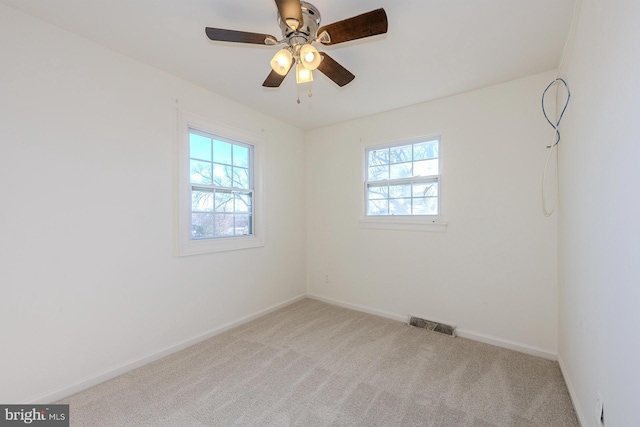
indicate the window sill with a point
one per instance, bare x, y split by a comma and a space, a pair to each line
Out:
203, 246
390, 223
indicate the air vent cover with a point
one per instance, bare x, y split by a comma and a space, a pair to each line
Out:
432, 326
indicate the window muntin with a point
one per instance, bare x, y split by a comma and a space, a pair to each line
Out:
221, 185
403, 179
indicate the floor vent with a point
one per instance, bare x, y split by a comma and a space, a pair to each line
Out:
433, 326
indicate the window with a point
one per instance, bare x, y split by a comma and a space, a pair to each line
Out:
219, 195
403, 179
221, 186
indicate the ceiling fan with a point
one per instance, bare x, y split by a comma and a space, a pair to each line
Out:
300, 25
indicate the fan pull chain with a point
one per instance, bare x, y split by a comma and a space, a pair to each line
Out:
309, 94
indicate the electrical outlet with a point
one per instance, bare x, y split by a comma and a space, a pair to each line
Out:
599, 412
326, 278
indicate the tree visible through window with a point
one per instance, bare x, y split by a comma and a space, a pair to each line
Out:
403, 179
221, 183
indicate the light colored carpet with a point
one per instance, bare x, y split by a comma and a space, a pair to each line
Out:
314, 364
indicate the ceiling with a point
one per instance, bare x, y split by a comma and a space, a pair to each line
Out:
433, 49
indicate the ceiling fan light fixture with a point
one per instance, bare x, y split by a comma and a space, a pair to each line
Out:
281, 62
303, 75
299, 22
309, 57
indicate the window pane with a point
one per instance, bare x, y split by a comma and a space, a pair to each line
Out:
403, 180
401, 154
398, 191
425, 206
200, 172
201, 225
400, 206
222, 175
240, 156
201, 200
241, 178
379, 157
425, 168
425, 150
425, 189
224, 202
402, 170
222, 152
378, 173
242, 203
220, 188
378, 192
199, 147
377, 207
223, 225
242, 225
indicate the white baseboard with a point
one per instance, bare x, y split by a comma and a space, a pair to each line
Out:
125, 367
472, 335
511, 345
356, 307
572, 392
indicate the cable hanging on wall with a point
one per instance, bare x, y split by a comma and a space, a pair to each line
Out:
556, 125
556, 138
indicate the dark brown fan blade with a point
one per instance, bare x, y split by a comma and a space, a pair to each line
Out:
291, 13
336, 72
361, 26
274, 79
221, 35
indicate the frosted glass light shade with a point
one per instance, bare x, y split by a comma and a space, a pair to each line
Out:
310, 57
303, 75
281, 62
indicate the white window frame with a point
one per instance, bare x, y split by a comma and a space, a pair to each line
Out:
187, 245
432, 223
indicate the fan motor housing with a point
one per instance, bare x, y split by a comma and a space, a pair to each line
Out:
309, 29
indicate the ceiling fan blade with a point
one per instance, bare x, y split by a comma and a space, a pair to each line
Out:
336, 72
291, 13
274, 79
361, 26
221, 35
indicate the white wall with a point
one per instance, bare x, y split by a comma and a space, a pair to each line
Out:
494, 272
599, 228
89, 280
